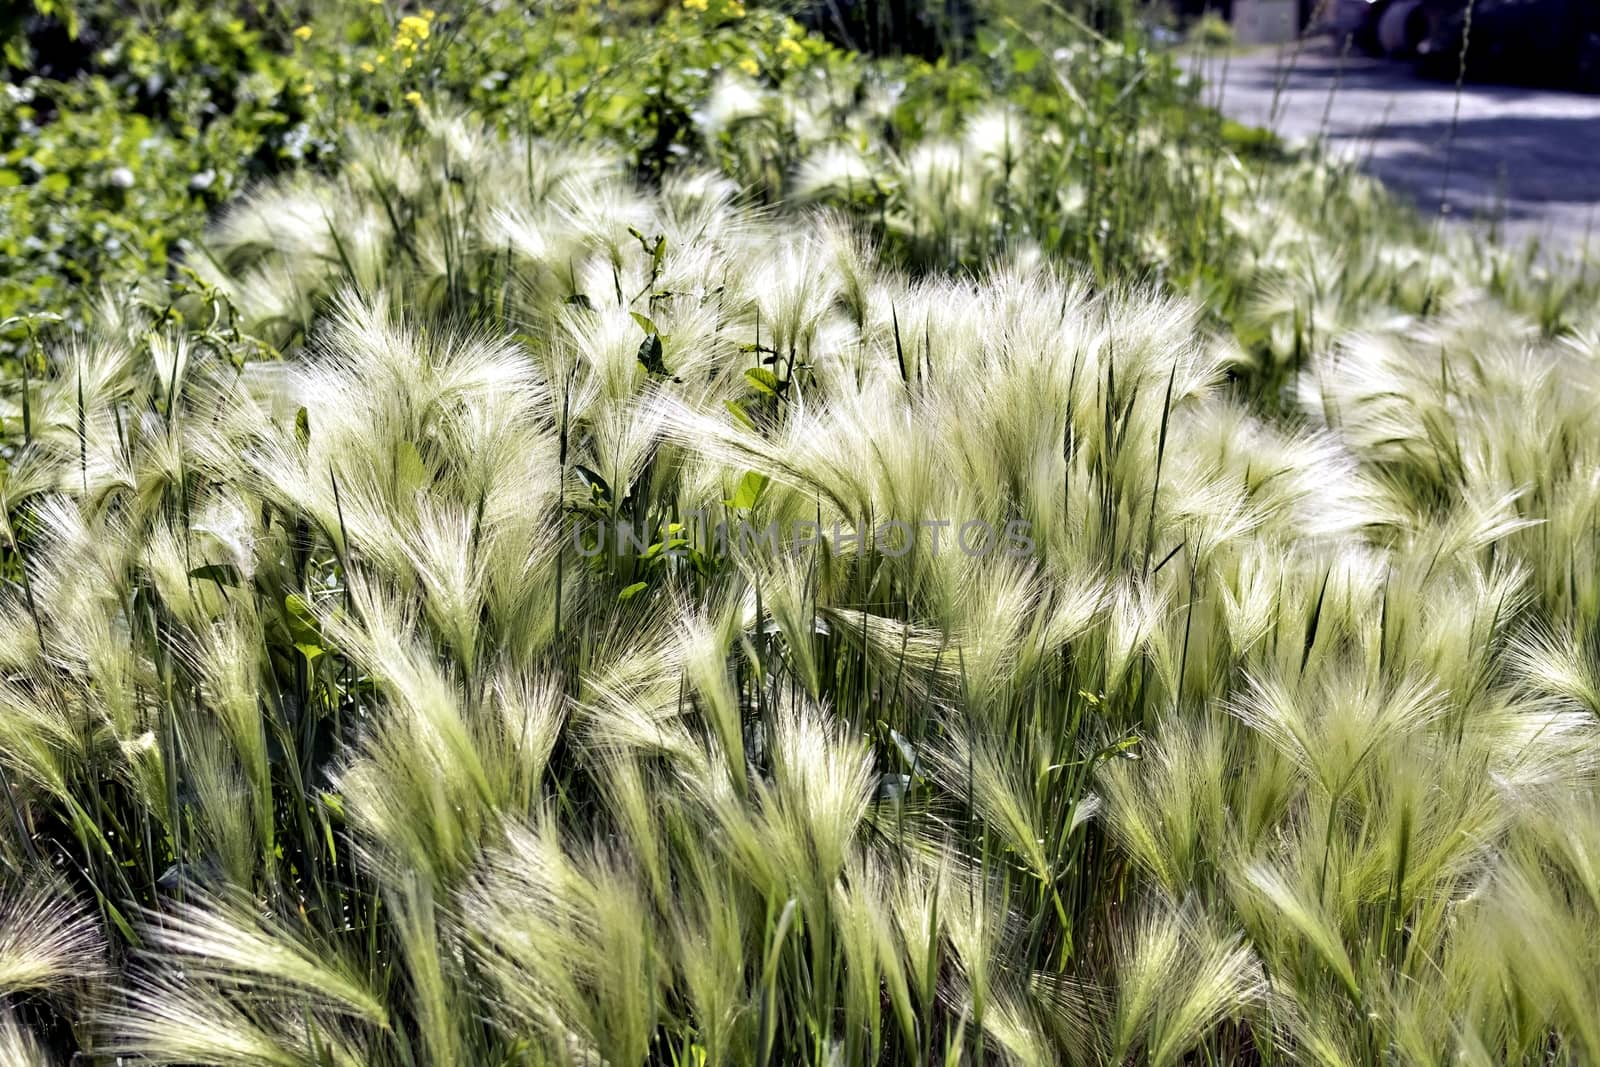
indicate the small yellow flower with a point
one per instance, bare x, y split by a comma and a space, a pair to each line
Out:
790, 46
734, 9
369, 68
306, 88
411, 33
303, 32
696, 5
414, 98
429, 13
749, 66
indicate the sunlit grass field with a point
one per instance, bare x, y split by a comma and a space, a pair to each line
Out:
659, 538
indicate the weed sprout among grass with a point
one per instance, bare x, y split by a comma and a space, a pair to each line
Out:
328, 739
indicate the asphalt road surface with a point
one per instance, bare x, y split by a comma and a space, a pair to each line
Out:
1525, 160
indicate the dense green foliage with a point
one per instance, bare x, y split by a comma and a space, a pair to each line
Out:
109, 172
377, 688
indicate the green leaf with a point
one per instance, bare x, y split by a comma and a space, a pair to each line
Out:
299, 610
650, 355
670, 545
303, 628
1024, 60
221, 573
1127, 748
740, 414
117, 918
763, 379
632, 591
751, 487
645, 322
302, 428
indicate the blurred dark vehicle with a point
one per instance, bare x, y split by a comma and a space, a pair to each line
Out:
1394, 28
1530, 42
1355, 21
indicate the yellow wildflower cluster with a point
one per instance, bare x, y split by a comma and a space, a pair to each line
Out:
411, 35
732, 9
303, 33
413, 31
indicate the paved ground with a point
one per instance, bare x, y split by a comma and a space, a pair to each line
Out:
1529, 158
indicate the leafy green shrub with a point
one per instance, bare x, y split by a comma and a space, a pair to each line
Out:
109, 173
1212, 31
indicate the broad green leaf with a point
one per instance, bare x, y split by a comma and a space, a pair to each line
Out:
303, 628
751, 487
763, 379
